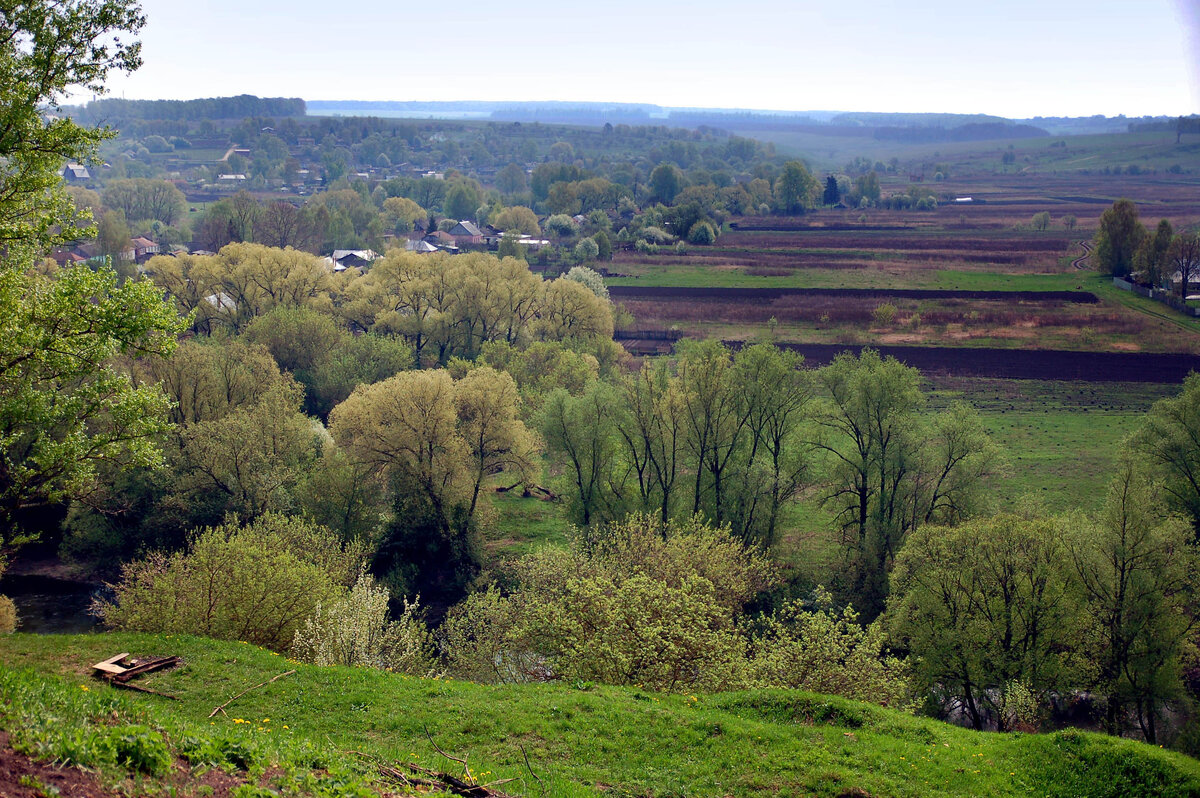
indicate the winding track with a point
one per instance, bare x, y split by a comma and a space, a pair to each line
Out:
1080, 263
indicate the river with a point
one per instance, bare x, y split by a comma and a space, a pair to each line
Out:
46, 605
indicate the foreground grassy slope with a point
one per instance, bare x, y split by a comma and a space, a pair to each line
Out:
584, 739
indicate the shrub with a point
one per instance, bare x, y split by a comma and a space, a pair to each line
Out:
353, 629
587, 249
884, 314
655, 235
827, 651
702, 233
8, 616
636, 603
589, 278
255, 583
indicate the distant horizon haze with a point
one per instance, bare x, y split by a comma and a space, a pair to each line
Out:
1021, 59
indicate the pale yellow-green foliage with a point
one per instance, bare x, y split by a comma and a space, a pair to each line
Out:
256, 583
8, 616
827, 651
640, 604
443, 436
448, 306
570, 310
254, 456
206, 382
541, 367
252, 277
353, 629
517, 218
401, 213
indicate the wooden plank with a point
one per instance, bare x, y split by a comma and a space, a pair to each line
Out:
110, 665
145, 667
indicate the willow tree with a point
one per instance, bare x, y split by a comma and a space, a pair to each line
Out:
436, 441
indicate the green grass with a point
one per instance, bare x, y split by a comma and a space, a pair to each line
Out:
1062, 439
581, 740
684, 275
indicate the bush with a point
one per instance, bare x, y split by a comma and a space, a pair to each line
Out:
256, 583
589, 278
827, 651
655, 235
884, 314
587, 249
353, 629
8, 616
702, 233
637, 603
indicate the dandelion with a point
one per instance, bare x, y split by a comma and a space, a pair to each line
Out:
84, 688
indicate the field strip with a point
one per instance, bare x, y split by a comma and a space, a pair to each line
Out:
1051, 365
769, 294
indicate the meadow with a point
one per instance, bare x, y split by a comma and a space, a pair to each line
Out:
324, 731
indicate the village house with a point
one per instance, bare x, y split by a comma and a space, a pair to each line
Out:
343, 259
465, 233
75, 173
143, 249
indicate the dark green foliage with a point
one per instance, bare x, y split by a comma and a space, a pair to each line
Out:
1118, 238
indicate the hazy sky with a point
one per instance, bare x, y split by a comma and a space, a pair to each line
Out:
1013, 58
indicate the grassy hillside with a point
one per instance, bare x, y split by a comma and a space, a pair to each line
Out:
580, 739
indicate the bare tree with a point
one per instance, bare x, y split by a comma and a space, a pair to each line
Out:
1185, 256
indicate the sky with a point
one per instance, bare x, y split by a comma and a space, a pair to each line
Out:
1016, 58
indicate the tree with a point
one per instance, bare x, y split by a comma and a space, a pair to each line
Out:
795, 189
1169, 439
1152, 258
517, 219
512, 179
702, 233
50, 48
280, 225
436, 441
1139, 575
1118, 238
983, 607
889, 470
833, 194
1184, 255
462, 198
589, 278
587, 250
665, 182
578, 431
65, 407
1041, 220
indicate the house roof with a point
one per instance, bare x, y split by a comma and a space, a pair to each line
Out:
76, 171
142, 243
362, 254
465, 228
419, 246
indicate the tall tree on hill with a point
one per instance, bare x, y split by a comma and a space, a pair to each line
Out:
63, 407
1118, 238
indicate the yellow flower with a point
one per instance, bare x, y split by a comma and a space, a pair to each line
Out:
84, 688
